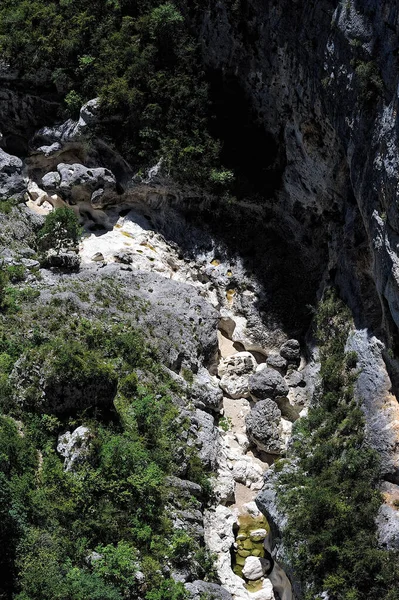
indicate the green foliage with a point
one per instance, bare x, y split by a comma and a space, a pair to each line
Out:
138, 57
6, 205
225, 423
60, 230
169, 590
222, 178
114, 503
73, 101
328, 488
187, 375
369, 81
16, 273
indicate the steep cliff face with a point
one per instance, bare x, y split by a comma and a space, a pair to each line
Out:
321, 78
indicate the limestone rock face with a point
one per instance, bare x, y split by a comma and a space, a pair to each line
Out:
175, 317
205, 392
74, 447
267, 383
388, 517
235, 372
373, 389
388, 527
201, 589
207, 438
78, 183
263, 427
12, 183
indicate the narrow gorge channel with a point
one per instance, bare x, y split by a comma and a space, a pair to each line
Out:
236, 532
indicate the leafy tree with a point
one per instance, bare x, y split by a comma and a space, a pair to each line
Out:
60, 230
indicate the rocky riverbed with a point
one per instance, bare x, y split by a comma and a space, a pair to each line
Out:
261, 393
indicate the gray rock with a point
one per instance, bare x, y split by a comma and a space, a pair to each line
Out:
277, 362
267, 383
291, 351
67, 261
373, 390
234, 372
205, 391
76, 183
263, 427
50, 150
255, 568
12, 183
74, 447
89, 113
202, 589
51, 181
388, 517
30, 263
185, 487
125, 258
206, 438
295, 379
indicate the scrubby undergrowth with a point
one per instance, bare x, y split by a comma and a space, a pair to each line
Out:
328, 486
103, 529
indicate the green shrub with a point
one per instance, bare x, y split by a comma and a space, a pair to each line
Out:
60, 230
328, 485
6, 205
73, 102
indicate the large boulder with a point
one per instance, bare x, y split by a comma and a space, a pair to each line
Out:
74, 447
267, 383
198, 590
277, 362
235, 371
205, 391
263, 427
207, 438
291, 351
255, 568
12, 183
78, 183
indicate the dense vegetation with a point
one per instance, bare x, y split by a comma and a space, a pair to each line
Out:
138, 56
99, 531
328, 487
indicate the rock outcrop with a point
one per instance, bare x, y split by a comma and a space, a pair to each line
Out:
264, 428
267, 383
12, 183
